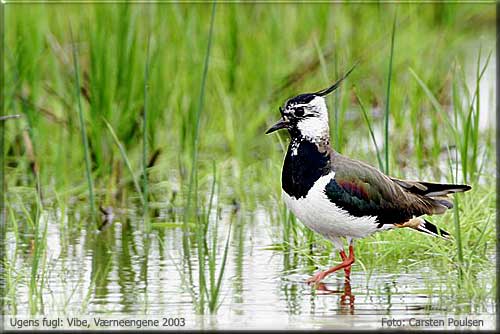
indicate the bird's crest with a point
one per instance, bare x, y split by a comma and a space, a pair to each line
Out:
330, 89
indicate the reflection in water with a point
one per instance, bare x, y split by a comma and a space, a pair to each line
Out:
346, 296
121, 270
238, 257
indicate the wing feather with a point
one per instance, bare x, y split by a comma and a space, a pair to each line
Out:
363, 190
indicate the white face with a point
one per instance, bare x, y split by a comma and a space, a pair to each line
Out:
310, 119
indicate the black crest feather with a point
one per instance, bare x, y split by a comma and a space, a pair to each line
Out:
330, 89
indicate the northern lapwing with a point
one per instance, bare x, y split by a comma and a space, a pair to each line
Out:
339, 197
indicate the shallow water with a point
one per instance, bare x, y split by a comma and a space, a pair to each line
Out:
122, 272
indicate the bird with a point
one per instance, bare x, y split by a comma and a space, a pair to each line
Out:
342, 198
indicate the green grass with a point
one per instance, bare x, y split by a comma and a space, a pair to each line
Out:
145, 142
372, 136
388, 99
207, 241
83, 129
200, 84
193, 177
129, 166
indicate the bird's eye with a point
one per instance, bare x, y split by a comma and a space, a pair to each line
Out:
299, 111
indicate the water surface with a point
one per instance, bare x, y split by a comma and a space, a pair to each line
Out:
123, 272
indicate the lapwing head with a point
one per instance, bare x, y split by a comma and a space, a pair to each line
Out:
306, 115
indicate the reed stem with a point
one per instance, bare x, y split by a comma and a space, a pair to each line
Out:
145, 143
388, 96
83, 130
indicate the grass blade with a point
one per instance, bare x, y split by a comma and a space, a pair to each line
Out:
213, 305
125, 159
194, 154
369, 124
145, 142
83, 130
456, 217
387, 101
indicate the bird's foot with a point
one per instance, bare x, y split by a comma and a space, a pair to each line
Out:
317, 278
346, 265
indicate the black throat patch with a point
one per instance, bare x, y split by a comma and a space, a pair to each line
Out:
303, 169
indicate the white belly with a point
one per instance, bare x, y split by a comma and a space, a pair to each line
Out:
322, 216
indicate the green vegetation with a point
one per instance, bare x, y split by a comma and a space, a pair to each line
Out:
83, 129
178, 96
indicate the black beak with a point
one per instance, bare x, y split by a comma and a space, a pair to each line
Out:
281, 124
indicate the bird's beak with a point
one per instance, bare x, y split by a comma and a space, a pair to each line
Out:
281, 124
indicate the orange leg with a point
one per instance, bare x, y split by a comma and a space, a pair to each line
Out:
347, 270
346, 265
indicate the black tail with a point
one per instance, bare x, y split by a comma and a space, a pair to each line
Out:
430, 228
431, 189
439, 193
439, 189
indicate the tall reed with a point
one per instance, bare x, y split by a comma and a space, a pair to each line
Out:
145, 142
83, 130
194, 150
463, 123
387, 98
38, 262
370, 129
126, 160
207, 246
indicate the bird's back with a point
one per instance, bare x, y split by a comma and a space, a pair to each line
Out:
365, 189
